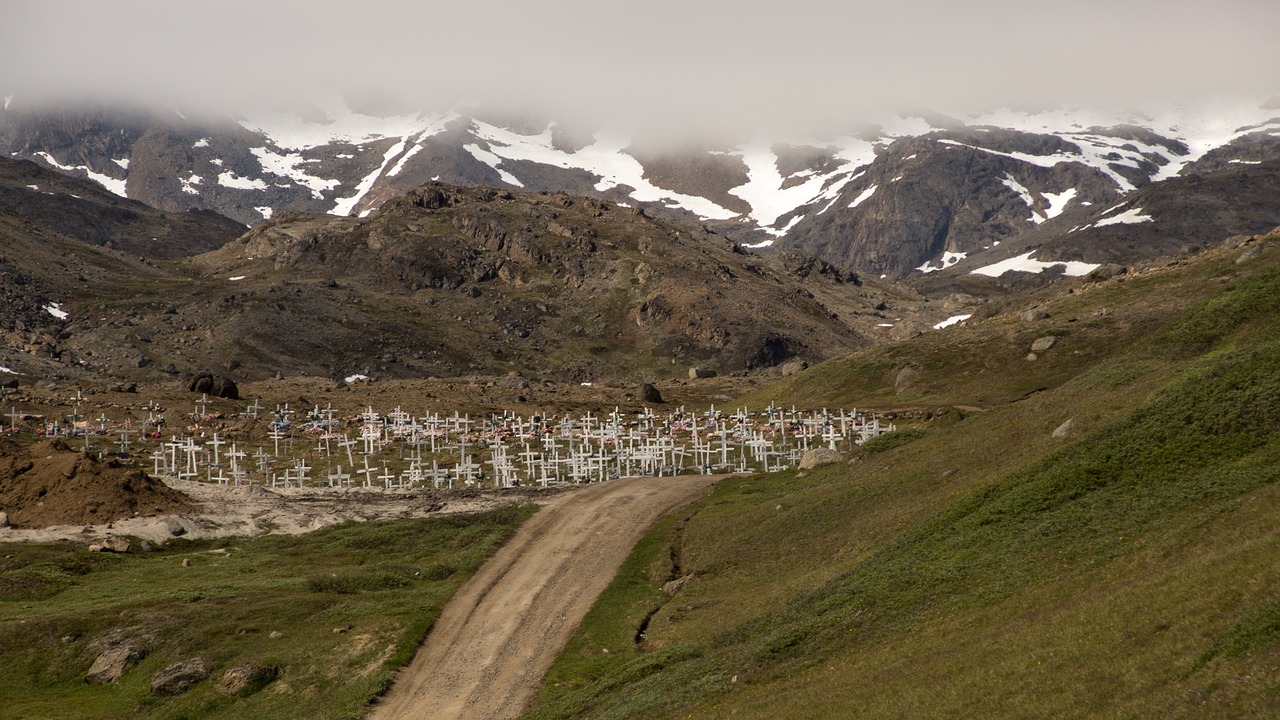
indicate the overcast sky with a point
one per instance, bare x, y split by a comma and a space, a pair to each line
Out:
793, 61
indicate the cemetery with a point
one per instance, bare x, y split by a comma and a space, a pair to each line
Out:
393, 449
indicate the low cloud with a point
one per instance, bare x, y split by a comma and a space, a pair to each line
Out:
699, 65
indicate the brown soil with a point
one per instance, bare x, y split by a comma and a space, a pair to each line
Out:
487, 654
50, 484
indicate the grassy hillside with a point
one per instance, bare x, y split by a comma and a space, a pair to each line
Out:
324, 618
978, 565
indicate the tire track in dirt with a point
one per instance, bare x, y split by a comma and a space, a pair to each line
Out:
494, 641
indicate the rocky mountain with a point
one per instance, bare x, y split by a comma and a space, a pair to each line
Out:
892, 198
440, 281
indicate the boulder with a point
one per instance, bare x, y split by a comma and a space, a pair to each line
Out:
4, 519
1064, 429
111, 664
697, 373
1034, 314
116, 545
1106, 271
1044, 343
819, 456
650, 394
248, 677
793, 367
215, 385
179, 677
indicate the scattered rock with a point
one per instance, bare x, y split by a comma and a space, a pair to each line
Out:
675, 586
1044, 343
650, 394
819, 456
248, 676
111, 664
793, 367
1064, 429
696, 373
179, 677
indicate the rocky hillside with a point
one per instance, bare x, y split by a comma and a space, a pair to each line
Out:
442, 281
81, 210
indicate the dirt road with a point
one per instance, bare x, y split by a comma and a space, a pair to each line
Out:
487, 654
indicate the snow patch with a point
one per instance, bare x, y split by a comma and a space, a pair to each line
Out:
434, 124
1131, 216
1245, 162
1026, 196
948, 259
231, 180
56, 310
189, 184
492, 161
862, 197
1025, 263
286, 165
952, 321
122, 162
604, 158
266, 211
4, 369
238, 277
1057, 202
7, 99
111, 184
201, 143
354, 378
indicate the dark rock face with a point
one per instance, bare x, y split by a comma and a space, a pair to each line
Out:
932, 197
215, 385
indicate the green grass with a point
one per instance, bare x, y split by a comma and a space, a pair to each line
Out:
979, 566
348, 604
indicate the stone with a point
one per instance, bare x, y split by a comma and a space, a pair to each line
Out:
174, 527
794, 367
1032, 357
1106, 271
275, 635
675, 586
116, 545
650, 394
248, 676
179, 677
1251, 253
819, 456
1034, 314
1064, 429
215, 385
904, 378
111, 664
4, 519
697, 373
1044, 343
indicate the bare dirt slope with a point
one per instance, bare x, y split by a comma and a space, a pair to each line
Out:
496, 638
